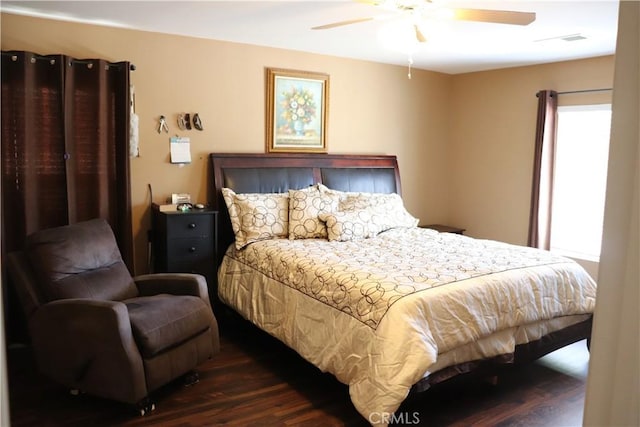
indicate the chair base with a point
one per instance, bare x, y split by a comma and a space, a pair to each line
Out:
145, 406
191, 378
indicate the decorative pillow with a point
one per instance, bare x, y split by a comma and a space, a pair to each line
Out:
304, 207
387, 208
256, 216
350, 225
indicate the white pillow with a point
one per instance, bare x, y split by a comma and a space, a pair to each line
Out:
257, 216
304, 207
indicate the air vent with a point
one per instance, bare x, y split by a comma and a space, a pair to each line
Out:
567, 38
574, 37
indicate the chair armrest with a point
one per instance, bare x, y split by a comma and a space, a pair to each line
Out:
179, 284
81, 316
172, 283
88, 344
21, 275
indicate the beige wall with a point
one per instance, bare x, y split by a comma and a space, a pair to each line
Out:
492, 140
464, 142
373, 108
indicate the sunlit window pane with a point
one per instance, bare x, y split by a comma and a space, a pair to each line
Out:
580, 178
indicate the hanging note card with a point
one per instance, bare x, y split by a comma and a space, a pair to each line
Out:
180, 149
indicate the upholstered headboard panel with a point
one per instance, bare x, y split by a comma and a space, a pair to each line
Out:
368, 180
271, 173
266, 180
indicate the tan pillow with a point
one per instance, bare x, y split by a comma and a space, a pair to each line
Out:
343, 226
387, 209
256, 216
304, 207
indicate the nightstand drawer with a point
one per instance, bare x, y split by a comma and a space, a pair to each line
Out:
189, 248
186, 225
201, 266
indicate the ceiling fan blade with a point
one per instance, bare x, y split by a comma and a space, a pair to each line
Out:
341, 23
495, 16
419, 36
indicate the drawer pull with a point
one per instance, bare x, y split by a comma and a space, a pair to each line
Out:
192, 249
192, 225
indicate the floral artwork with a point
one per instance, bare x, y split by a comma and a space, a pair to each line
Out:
298, 109
296, 106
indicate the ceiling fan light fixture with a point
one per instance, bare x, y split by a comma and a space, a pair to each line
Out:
403, 36
400, 36
442, 14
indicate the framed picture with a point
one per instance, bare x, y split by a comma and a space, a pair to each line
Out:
297, 108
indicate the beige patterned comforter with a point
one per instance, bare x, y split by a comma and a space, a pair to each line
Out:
382, 313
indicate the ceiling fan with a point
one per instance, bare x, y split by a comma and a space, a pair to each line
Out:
417, 10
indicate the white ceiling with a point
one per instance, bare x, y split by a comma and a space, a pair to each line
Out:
453, 47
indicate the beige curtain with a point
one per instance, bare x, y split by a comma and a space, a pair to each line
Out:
542, 185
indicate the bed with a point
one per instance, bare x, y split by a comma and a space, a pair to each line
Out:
386, 306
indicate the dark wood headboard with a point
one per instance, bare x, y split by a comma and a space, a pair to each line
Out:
278, 173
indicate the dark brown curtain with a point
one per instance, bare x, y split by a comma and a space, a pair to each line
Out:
65, 130
542, 187
64, 145
97, 137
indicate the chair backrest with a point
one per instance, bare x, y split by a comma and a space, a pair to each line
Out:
81, 260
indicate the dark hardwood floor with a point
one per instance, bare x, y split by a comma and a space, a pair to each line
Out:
256, 381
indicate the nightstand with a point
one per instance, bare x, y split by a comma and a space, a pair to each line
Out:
444, 228
185, 242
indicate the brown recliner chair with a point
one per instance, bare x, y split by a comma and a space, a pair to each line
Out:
96, 329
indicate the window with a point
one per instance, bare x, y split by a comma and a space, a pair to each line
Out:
579, 180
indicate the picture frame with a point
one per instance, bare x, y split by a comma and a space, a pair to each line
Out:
297, 109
